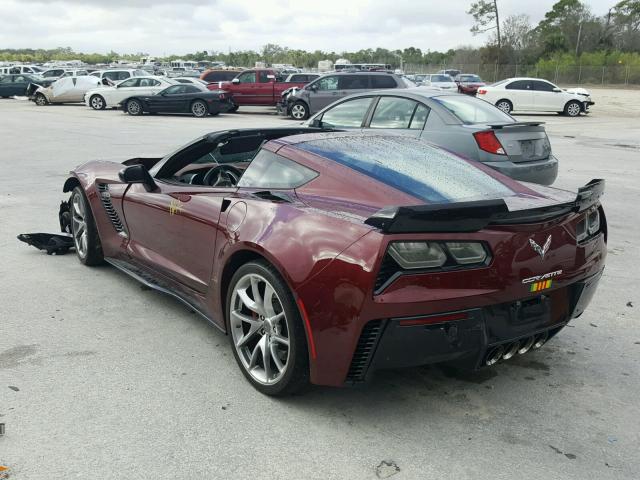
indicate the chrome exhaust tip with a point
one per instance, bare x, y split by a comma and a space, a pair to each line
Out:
511, 351
540, 340
494, 355
526, 345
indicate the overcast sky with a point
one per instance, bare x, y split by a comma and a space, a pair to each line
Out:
163, 27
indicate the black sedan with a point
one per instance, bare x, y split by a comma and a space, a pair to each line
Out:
11, 85
200, 102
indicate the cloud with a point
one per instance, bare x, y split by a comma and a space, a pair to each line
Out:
169, 26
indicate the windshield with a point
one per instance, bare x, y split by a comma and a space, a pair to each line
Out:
441, 78
470, 110
407, 164
470, 78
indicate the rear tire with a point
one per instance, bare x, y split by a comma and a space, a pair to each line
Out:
199, 109
572, 108
41, 100
84, 231
272, 326
97, 102
299, 111
505, 105
134, 107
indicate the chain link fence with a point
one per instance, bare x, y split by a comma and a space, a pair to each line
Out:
568, 74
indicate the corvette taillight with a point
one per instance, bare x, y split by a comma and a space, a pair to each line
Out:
481, 91
488, 142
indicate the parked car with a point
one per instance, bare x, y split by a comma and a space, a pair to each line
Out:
20, 69
284, 240
329, 88
259, 86
218, 75
452, 72
442, 81
190, 80
56, 73
182, 72
65, 90
462, 124
301, 77
468, 83
18, 85
536, 95
113, 76
199, 101
111, 97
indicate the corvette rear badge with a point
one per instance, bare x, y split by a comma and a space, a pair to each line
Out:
541, 250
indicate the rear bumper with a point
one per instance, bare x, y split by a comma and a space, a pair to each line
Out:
543, 172
466, 343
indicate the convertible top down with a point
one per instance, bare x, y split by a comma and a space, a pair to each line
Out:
327, 255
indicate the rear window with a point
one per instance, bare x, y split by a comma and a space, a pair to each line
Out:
441, 78
383, 81
411, 166
470, 78
269, 170
470, 110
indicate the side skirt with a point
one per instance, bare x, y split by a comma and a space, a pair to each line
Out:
149, 281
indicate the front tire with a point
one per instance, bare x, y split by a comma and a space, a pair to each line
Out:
97, 102
41, 100
134, 107
84, 231
299, 111
199, 109
505, 105
266, 331
233, 109
572, 108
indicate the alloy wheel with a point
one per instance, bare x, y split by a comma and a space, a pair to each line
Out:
260, 329
133, 108
79, 226
504, 106
298, 112
573, 110
97, 103
199, 109
41, 100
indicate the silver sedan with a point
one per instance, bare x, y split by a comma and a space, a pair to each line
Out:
462, 124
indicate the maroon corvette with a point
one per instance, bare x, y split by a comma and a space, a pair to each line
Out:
328, 255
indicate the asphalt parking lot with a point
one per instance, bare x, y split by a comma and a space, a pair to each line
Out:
100, 378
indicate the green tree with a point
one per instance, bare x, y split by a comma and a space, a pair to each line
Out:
485, 12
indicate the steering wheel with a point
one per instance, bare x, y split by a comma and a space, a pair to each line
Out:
222, 176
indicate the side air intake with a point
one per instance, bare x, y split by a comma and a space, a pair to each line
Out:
105, 198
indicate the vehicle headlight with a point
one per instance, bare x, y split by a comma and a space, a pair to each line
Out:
417, 254
465, 253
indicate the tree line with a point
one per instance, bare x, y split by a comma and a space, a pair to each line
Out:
569, 34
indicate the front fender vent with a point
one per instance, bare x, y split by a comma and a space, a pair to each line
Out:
105, 198
364, 351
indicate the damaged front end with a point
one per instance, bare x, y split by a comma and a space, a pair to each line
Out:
53, 243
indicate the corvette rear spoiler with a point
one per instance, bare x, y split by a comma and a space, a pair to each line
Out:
474, 216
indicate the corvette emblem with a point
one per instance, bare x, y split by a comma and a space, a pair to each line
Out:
541, 250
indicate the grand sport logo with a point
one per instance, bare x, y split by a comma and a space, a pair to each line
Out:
539, 278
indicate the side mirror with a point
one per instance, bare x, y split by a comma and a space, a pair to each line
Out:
235, 81
316, 123
313, 87
557, 90
138, 174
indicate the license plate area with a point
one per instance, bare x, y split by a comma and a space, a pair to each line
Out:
534, 309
